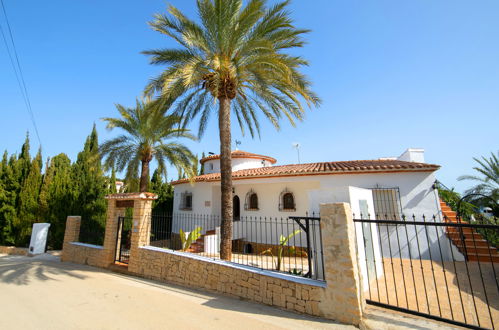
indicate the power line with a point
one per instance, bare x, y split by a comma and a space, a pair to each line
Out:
19, 75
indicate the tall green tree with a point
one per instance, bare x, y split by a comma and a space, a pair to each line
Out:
236, 57
148, 135
29, 209
8, 197
112, 182
201, 168
19, 171
164, 190
57, 197
90, 184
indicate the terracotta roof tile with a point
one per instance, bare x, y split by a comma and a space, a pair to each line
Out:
240, 154
354, 166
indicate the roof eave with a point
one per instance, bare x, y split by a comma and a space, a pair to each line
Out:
427, 169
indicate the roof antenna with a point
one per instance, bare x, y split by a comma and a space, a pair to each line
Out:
297, 146
237, 144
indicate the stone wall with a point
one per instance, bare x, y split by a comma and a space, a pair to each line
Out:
86, 254
12, 250
281, 290
80, 253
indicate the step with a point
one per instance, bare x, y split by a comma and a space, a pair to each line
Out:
453, 218
468, 241
472, 250
483, 258
465, 230
119, 268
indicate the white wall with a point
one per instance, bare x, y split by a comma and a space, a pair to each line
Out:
202, 213
416, 192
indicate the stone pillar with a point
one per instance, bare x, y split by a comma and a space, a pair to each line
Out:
342, 299
140, 231
71, 234
117, 205
109, 251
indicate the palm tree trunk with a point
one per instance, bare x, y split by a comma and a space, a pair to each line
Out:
144, 176
226, 178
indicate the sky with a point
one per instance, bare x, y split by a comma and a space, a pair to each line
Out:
391, 75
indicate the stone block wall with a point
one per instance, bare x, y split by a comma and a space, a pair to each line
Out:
80, 253
12, 250
85, 254
281, 290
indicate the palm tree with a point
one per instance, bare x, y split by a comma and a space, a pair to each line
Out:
488, 179
235, 56
146, 134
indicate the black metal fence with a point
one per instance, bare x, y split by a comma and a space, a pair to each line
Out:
435, 267
123, 239
92, 230
291, 245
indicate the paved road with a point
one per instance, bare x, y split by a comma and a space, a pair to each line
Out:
43, 293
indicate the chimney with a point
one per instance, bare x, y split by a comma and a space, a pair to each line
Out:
413, 155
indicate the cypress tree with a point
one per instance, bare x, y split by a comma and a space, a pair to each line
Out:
112, 183
29, 210
8, 200
90, 186
201, 169
164, 203
56, 193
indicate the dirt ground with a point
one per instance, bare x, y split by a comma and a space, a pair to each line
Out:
424, 286
43, 293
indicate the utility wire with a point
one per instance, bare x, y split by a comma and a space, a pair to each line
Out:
18, 71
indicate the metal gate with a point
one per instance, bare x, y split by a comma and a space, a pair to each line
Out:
123, 239
441, 269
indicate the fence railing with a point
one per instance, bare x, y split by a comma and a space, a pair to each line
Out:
291, 245
443, 269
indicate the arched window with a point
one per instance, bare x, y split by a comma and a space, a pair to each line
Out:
287, 201
251, 201
186, 201
236, 215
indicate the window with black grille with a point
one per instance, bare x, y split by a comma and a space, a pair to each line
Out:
387, 204
251, 201
186, 201
287, 201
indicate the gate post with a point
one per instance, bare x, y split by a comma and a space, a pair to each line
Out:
70, 235
342, 299
116, 207
109, 246
141, 228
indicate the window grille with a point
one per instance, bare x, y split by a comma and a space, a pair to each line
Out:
251, 201
186, 201
287, 201
387, 204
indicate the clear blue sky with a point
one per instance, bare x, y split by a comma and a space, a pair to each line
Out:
391, 74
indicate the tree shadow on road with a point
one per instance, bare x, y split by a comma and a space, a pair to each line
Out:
21, 270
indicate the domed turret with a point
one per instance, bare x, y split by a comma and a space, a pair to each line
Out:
241, 160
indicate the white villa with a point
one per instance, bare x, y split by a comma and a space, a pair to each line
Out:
385, 188
261, 188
